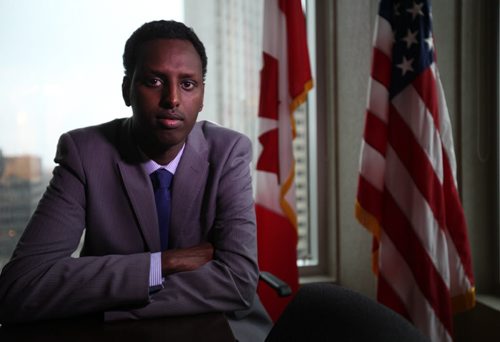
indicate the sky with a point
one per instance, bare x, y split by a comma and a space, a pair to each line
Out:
61, 66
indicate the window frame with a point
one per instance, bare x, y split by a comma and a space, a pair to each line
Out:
322, 145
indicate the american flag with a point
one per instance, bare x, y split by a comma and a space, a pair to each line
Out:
407, 191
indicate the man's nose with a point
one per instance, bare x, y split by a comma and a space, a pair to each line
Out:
170, 96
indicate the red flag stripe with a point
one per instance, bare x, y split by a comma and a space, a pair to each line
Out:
381, 68
375, 133
269, 99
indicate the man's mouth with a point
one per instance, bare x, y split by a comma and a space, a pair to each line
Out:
169, 121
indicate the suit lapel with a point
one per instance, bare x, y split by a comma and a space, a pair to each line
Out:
138, 188
189, 181
140, 193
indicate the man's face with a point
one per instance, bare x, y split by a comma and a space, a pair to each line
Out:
166, 93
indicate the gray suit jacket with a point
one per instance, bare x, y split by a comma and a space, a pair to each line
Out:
101, 188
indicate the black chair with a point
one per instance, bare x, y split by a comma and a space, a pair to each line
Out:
327, 312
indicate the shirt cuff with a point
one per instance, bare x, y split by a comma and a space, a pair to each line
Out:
155, 277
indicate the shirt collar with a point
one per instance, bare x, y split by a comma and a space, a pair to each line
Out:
151, 166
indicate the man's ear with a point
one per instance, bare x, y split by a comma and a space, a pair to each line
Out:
126, 90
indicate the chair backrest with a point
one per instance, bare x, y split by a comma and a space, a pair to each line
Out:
327, 312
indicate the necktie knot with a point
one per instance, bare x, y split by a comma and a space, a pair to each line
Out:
161, 179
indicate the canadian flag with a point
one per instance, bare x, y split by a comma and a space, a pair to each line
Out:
285, 81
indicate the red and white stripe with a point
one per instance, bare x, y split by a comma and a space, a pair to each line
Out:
408, 198
285, 80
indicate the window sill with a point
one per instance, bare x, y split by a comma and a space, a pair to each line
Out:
491, 301
316, 279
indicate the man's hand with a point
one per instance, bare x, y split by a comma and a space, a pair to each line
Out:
186, 259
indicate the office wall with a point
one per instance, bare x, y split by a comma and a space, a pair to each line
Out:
353, 49
477, 102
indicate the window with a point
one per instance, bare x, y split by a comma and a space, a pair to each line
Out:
306, 159
64, 71
61, 71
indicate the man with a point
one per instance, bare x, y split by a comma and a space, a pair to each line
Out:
102, 185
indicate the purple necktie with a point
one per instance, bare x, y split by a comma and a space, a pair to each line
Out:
162, 179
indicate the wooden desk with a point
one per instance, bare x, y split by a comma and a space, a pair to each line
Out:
205, 327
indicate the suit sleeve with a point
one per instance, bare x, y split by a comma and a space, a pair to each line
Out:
43, 280
227, 283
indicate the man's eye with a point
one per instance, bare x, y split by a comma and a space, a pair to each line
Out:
187, 85
153, 82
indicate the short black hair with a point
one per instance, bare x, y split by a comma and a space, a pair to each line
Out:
161, 29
